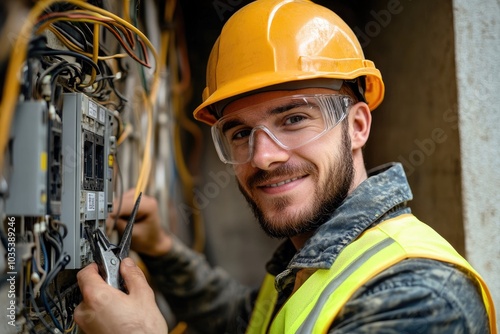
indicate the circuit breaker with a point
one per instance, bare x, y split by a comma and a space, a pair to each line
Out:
28, 175
87, 150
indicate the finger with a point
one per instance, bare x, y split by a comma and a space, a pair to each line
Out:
147, 206
88, 275
137, 230
120, 225
95, 291
133, 277
83, 314
121, 203
122, 222
110, 225
127, 203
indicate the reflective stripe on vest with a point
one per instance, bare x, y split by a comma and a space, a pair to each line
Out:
314, 306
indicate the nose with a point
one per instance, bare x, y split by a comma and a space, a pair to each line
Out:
267, 153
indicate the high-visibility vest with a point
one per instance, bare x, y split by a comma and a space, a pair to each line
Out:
314, 306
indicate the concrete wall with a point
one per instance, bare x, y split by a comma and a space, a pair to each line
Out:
477, 45
417, 123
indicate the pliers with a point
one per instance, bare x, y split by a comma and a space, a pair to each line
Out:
108, 256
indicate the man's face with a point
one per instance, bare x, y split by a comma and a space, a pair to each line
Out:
294, 191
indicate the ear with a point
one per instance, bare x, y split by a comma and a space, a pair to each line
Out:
360, 121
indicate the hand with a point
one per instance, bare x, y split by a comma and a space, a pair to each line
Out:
148, 236
105, 309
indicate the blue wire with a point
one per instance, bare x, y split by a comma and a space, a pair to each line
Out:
42, 290
33, 264
44, 250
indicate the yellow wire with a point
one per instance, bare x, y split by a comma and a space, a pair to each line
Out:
124, 135
71, 328
11, 88
180, 328
156, 74
73, 47
184, 173
165, 35
28, 272
126, 10
87, 12
142, 182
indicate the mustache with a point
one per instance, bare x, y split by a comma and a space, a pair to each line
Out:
262, 176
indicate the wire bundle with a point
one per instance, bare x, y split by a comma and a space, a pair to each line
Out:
42, 294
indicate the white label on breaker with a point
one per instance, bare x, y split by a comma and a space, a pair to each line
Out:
90, 202
93, 109
101, 201
102, 114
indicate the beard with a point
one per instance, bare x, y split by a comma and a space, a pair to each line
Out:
327, 198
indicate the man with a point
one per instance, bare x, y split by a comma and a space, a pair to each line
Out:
288, 96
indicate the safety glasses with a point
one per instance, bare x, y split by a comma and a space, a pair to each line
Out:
291, 122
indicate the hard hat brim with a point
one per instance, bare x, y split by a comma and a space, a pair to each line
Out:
259, 81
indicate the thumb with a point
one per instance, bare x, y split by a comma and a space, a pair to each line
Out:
133, 276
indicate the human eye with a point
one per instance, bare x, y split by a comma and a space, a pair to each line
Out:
235, 130
294, 119
298, 116
237, 135
241, 134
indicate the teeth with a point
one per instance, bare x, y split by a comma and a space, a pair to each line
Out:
282, 182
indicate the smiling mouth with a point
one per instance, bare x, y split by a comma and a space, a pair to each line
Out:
274, 185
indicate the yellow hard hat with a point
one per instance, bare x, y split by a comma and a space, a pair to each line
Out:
272, 42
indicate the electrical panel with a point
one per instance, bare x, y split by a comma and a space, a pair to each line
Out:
72, 181
60, 183
84, 116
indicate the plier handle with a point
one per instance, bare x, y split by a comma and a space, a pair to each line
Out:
108, 256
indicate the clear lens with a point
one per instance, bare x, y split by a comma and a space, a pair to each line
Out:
291, 121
